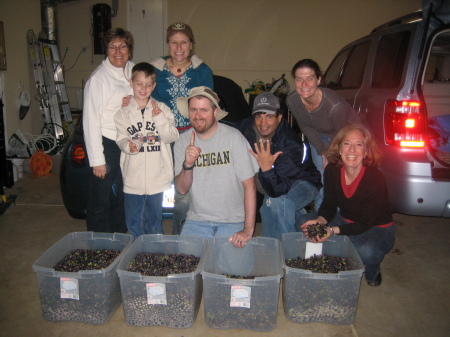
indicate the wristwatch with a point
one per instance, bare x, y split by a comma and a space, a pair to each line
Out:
187, 168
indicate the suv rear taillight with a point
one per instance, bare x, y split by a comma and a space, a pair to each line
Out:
404, 123
78, 154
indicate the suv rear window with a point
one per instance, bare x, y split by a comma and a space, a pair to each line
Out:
390, 60
347, 69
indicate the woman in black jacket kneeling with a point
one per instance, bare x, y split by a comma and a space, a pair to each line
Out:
354, 186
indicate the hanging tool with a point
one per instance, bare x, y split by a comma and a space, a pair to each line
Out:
23, 102
41, 91
52, 94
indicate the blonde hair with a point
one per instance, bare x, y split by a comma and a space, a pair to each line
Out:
373, 156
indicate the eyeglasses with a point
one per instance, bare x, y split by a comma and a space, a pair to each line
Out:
120, 48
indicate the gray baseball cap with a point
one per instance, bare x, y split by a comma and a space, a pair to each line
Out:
266, 102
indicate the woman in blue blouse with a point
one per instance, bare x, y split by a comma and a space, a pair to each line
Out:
177, 73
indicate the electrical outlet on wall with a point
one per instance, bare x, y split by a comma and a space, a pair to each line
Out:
84, 49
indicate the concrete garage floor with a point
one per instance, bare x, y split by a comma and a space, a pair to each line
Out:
413, 299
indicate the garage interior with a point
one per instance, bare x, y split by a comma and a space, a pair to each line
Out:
413, 298
411, 301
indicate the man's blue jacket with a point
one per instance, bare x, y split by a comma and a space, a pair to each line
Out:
293, 164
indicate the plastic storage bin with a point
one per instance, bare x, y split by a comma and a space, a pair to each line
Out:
316, 297
179, 294
98, 290
231, 303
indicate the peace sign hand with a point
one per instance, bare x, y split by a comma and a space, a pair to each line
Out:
156, 110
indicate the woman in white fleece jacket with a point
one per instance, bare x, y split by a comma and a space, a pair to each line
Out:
145, 129
102, 98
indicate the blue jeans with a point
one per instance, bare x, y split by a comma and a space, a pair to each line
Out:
371, 246
105, 208
209, 229
317, 160
230, 260
181, 205
180, 208
143, 213
279, 215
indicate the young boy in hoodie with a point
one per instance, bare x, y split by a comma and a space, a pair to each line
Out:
145, 129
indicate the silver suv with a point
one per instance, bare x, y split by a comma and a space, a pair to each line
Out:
398, 79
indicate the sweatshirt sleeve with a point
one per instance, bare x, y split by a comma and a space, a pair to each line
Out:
92, 111
122, 123
341, 114
328, 208
165, 123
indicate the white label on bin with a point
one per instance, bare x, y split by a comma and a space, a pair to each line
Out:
156, 293
69, 288
313, 248
240, 296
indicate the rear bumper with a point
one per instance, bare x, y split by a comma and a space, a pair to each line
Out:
411, 188
447, 210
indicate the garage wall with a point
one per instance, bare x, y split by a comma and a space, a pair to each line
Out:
74, 32
18, 16
262, 39
74, 26
240, 39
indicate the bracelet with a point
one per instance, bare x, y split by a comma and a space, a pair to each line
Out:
332, 231
187, 168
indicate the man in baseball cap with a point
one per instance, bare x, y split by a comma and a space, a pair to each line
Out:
287, 177
212, 163
266, 102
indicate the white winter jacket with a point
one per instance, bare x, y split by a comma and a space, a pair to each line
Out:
103, 95
150, 170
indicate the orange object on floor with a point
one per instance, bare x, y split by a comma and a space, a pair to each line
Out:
40, 164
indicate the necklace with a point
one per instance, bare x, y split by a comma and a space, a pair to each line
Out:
181, 68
